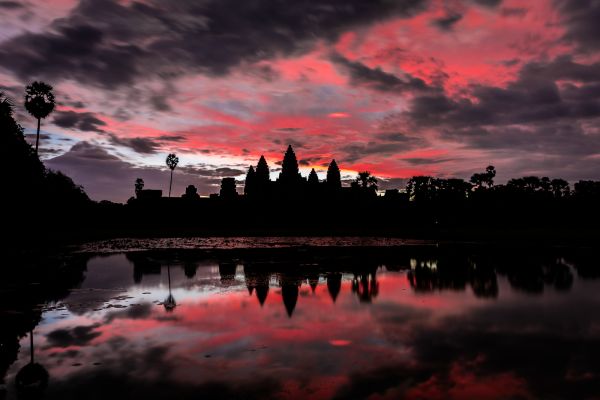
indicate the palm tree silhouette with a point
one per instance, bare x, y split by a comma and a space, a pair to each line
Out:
172, 162
39, 102
169, 304
32, 379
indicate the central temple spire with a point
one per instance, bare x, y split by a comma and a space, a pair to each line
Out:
289, 167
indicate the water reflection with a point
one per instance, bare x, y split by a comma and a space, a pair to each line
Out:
412, 322
32, 379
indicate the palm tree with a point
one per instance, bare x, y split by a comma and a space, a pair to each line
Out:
172, 162
39, 102
169, 304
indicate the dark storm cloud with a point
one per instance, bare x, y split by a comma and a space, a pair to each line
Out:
172, 138
426, 161
534, 97
32, 136
11, 5
139, 311
83, 121
550, 139
213, 171
580, 18
447, 23
107, 177
140, 145
145, 145
376, 78
547, 115
383, 144
105, 43
78, 336
488, 3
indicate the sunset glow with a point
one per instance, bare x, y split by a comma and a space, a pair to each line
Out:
399, 88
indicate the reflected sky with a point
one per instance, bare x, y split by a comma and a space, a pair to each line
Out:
424, 327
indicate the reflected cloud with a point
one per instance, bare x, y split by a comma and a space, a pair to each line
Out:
404, 322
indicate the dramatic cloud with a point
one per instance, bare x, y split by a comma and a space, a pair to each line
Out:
581, 18
83, 121
78, 336
446, 23
106, 43
11, 5
399, 88
107, 177
376, 78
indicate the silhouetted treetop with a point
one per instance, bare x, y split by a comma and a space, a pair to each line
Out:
39, 99
171, 161
560, 188
39, 102
139, 185
484, 180
366, 180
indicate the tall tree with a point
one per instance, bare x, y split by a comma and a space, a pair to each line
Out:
334, 179
560, 188
39, 102
172, 162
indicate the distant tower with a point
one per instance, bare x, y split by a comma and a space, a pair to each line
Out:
289, 168
262, 171
313, 179
250, 184
334, 179
228, 188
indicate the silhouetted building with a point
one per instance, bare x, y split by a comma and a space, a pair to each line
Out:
290, 288
313, 179
290, 175
334, 179
148, 194
228, 188
262, 172
227, 272
334, 284
250, 183
191, 193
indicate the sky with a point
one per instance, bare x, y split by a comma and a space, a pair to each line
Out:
398, 88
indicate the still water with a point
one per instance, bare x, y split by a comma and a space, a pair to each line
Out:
335, 321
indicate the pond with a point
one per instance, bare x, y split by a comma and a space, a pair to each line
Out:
291, 319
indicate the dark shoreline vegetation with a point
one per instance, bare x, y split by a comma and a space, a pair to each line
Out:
48, 208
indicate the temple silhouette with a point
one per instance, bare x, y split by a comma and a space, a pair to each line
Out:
289, 186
